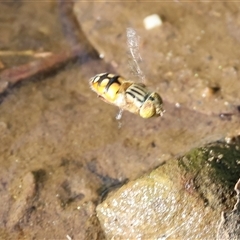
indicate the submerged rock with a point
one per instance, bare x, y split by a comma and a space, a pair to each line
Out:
179, 200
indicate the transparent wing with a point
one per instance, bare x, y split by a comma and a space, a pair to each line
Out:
133, 45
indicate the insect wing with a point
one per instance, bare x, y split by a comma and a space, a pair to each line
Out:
133, 45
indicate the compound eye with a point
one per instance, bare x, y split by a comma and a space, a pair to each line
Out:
152, 106
147, 110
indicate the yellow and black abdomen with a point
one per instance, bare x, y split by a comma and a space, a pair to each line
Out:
106, 85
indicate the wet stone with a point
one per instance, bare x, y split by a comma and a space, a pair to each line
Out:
181, 199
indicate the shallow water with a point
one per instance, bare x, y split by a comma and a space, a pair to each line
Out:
56, 128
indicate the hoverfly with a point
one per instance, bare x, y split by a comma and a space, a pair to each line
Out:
128, 95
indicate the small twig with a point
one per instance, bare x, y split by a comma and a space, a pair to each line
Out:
1, 65
30, 53
11, 76
80, 49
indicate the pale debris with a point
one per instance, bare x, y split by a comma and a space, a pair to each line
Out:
152, 21
68, 237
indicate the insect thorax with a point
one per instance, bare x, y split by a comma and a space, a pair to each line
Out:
137, 93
